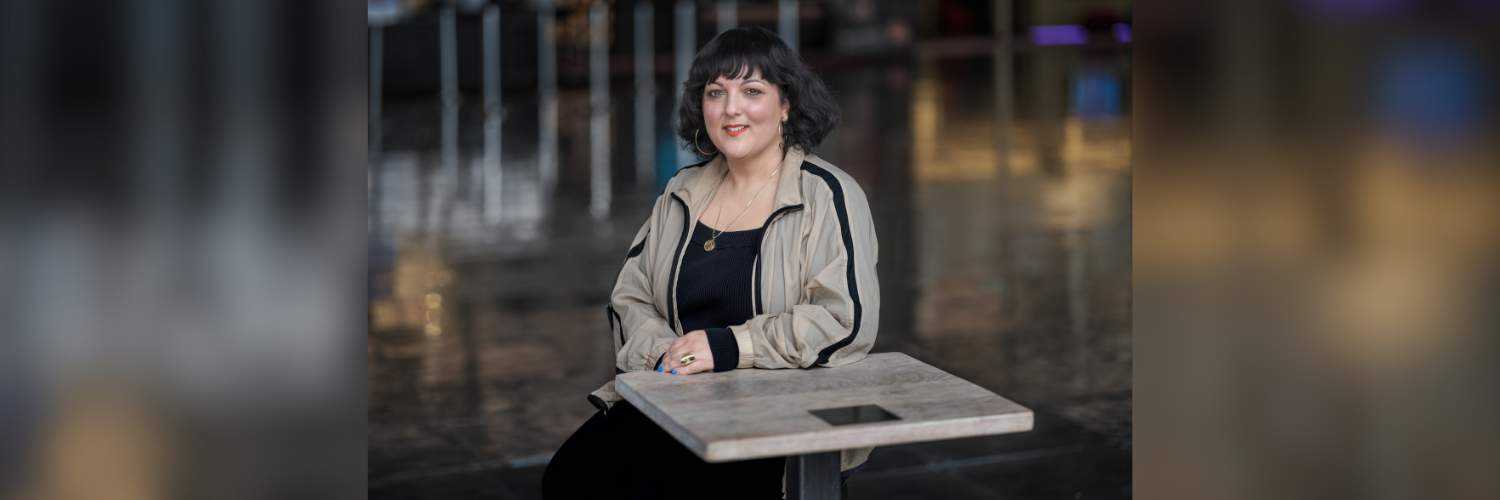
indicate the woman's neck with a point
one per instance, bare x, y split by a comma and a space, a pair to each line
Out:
752, 172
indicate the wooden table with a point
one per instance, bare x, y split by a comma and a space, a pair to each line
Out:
745, 414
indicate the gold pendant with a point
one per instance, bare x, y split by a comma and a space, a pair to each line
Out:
708, 246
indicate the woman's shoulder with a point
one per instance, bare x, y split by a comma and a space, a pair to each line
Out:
826, 182
685, 174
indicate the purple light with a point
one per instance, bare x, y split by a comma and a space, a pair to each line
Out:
1059, 34
1122, 32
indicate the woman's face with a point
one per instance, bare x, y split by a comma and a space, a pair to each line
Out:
743, 116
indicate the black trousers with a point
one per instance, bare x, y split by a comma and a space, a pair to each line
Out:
623, 454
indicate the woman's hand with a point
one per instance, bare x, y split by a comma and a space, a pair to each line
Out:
695, 342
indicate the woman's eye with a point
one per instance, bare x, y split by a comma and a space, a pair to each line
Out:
715, 93
753, 91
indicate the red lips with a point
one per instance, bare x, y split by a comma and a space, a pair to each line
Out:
736, 130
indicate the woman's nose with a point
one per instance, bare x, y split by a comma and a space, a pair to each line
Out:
732, 105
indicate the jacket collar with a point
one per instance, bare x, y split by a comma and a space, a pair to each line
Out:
696, 191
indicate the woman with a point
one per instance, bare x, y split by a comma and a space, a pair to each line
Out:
763, 256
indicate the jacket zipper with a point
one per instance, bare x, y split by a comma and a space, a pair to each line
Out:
757, 304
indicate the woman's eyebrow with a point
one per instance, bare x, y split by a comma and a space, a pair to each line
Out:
746, 81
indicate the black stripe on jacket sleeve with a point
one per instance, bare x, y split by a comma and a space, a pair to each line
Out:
636, 250
677, 261
842, 211
615, 323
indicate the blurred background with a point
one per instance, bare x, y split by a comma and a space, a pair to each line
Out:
220, 285
1316, 201
515, 147
182, 228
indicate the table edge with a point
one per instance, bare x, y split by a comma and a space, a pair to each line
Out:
683, 436
783, 445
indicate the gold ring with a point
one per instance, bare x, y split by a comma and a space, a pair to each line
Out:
687, 359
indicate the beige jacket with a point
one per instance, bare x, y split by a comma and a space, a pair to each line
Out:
817, 301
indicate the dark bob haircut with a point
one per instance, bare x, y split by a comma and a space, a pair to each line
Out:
740, 52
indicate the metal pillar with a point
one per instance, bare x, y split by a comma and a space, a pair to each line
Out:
1002, 15
1049, 79
493, 174
157, 46
727, 14
599, 181
448, 44
1004, 77
786, 22
686, 23
546, 19
244, 69
645, 95
813, 476
377, 86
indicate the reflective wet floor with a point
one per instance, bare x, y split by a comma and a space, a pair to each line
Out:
1000, 186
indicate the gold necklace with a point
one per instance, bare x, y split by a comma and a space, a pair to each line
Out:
708, 246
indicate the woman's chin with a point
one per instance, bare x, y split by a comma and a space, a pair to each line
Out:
737, 153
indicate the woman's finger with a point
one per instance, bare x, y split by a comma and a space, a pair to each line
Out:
704, 363
703, 360
675, 362
695, 344
666, 362
669, 360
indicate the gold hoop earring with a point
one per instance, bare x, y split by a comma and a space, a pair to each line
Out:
695, 144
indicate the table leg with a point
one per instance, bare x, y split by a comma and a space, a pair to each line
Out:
814, 476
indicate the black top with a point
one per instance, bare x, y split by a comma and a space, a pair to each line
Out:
714, 288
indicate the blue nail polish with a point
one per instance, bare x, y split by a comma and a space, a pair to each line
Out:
674, 371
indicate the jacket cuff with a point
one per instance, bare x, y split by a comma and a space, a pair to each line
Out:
742, 341
724, 347
599, 403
